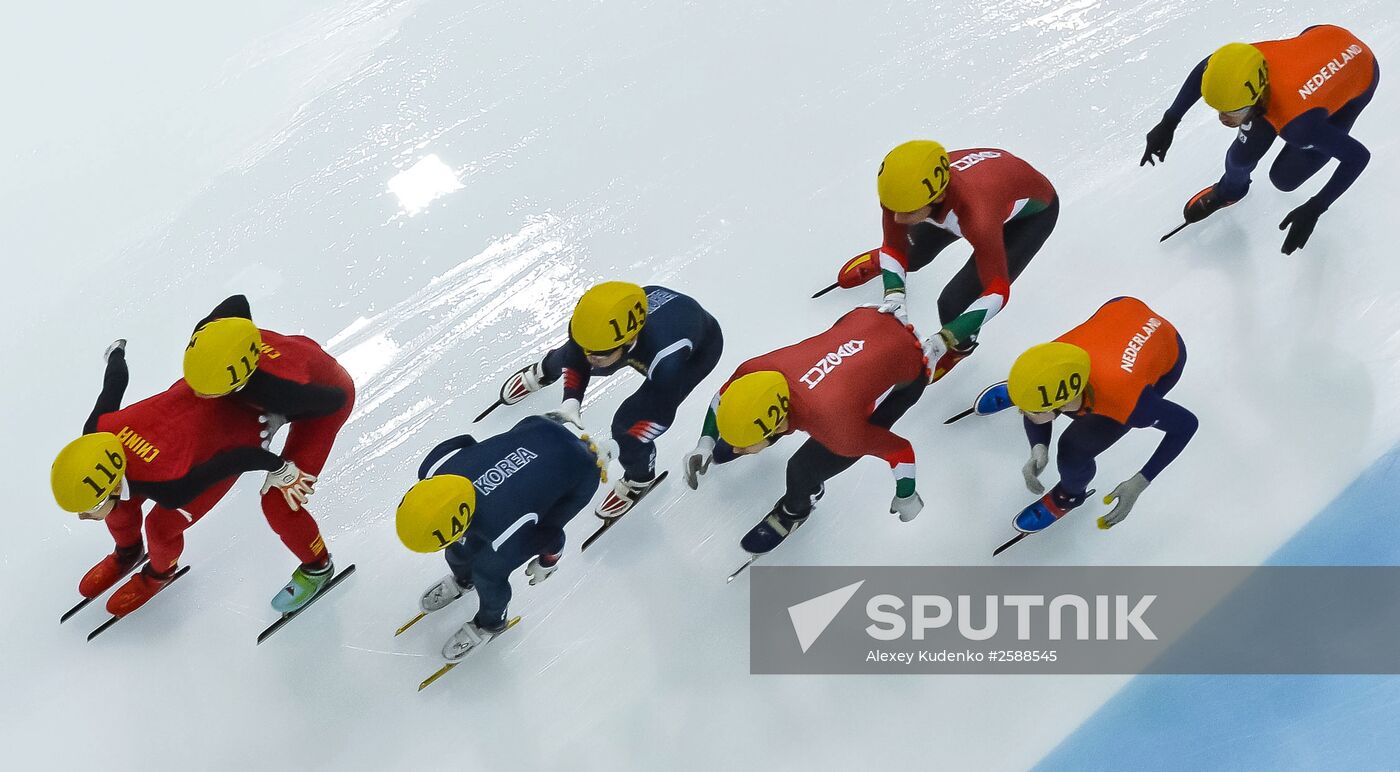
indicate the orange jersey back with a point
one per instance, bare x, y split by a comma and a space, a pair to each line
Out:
1325, 67
1130, 347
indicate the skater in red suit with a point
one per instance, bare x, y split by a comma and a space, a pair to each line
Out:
845, 388
931, 198
174, 449
289, 379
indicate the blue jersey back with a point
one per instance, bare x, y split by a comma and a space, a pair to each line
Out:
527, 470
675, 324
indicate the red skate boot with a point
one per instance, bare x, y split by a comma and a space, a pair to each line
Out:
139, 589
103, 576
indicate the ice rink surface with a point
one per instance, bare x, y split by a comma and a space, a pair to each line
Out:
426, 187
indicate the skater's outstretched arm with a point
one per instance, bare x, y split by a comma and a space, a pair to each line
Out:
1178, 424
177, 493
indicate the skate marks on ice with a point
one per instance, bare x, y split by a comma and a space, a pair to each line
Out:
443, 332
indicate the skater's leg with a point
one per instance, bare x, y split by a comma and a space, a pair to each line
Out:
309, 444
1081, 443
124, 523
1024, 237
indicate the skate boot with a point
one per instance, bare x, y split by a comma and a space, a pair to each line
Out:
105, 575
137, 590
443, 593
993, 399
776, 525
1043, 512
950, 359
624, 495
468, 639
305, 583
526, 381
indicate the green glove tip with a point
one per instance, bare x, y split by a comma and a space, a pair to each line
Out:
1103, 525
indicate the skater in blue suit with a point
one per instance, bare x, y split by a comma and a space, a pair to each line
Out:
664, 335
494, 506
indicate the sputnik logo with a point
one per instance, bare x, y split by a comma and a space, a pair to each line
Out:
810, 618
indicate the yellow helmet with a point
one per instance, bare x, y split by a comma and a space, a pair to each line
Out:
435, 512
87, 471
608, 315
1235, 77
1047, 376
222, 355
752, 407
912, 176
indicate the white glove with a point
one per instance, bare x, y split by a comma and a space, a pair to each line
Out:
296, 485
1127, 494
541, 567
117, 345
907, 507
1040, 456
272, 423
935, 346
697, 462
568, 412
894, 306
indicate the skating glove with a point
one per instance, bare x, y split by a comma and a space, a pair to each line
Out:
893, 305
117, 345
1159, 139
568, 412
1040, 456
935, 346
1127, 494
296, 485
541, 567
1303, 220
907, 507
697, 462
272, 423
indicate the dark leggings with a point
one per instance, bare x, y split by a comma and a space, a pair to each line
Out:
1091, 435
812, 465
652, 408
1023, 237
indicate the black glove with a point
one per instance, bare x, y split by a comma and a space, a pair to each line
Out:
1303, 219
1203, 205
1159, 139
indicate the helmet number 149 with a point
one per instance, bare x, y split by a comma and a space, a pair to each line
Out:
1064, 392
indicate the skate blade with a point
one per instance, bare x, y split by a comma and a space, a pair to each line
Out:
740, 569
447, 668
113, 620
290, 615
1004, 547
442, 671
410, 623
82, 604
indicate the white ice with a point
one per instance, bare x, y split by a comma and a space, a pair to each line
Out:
427, 186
